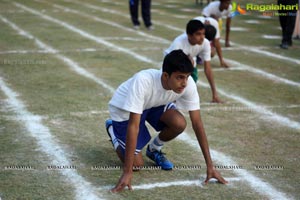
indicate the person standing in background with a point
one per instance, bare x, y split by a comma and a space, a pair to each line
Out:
146, 14
287, 20
296, 33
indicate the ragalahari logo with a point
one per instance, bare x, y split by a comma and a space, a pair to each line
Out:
237, 10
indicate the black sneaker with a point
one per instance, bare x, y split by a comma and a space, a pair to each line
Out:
284, 46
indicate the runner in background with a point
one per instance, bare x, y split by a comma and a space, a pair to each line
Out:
217, 10
214, 42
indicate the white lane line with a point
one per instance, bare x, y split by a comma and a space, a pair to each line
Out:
272, 37
269, 190
48, 145
245, 108
152, 40
250, 68
84, 33
252, 21
257, 184
241, 29
42, 51
112, 2
263, 73
73, 65
23, 52
91, 6
285, 121
265, 17
266, 53
106, 1
164, 13
225, 69
111, 23
188, 10
246, 48
167, 184
184, 183
268, 114
238, 48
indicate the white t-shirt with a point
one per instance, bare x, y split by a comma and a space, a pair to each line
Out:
212, 22
182, 42
144, 90
213, 9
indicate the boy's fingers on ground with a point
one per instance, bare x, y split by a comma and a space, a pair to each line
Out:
219, 177
224, 64
129, 187
215, 174
117, 189
206, 181
217, 100
222, 180
208, 177
120, 187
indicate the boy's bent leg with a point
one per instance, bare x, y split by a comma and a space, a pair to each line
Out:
138, 161
171, 123
119, 152
117, 132
138, 158
175, 124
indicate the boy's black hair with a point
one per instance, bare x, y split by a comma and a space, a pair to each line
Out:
210, 32
177, 60
193, 26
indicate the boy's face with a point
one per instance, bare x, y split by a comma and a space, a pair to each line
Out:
177, 81
197, 37
224, 5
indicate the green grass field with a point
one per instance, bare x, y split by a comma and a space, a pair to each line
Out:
60, 62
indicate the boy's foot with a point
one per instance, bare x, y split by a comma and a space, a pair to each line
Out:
159, 158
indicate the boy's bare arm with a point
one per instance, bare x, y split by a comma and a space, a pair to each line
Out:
202, 140
210, 78
228, 23
131, 141
219, 52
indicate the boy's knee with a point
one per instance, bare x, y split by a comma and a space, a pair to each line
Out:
174, 120
178, 123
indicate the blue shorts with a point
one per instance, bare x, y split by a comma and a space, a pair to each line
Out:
152, 116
